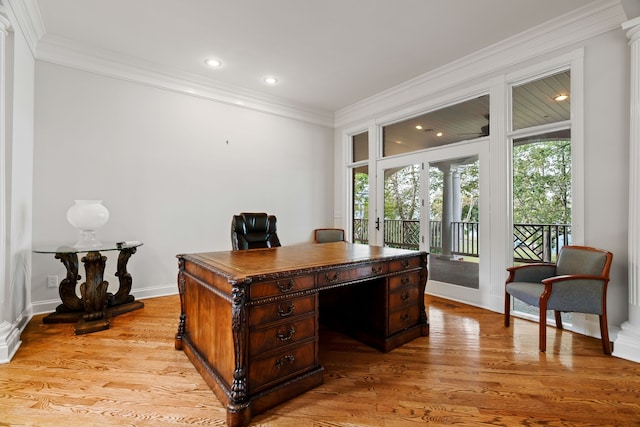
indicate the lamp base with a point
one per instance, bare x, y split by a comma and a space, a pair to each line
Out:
87, 240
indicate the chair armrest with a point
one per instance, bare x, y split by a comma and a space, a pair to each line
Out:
569, 277
531, 272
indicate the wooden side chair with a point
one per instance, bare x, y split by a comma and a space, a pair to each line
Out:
324, 235
577, 282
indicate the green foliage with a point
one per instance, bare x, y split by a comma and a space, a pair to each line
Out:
436, 187
469, 191
360, 195
402, 193
542, 183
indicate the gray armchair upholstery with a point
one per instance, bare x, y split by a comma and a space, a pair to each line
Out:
325, 235
576, 283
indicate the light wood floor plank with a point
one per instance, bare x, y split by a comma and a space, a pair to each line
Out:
470, 371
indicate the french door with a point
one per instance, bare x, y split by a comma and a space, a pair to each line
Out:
438, 201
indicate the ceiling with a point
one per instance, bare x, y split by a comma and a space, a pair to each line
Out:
327, 54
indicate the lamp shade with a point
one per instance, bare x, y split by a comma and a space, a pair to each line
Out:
87, 216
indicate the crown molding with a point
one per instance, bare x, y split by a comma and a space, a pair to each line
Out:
586, 22
27, 15
74, 55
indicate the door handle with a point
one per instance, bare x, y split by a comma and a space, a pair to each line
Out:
377, 223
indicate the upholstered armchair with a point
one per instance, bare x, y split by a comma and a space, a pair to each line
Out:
324, 235
251, 230
577, 282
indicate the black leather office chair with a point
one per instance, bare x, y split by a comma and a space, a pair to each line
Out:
253, 230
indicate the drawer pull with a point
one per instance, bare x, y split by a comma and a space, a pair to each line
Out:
283, 338
376, 269
405, 317
286, 287
405, 263
405, 297
405, 280
332, 278
286, 358
283, 313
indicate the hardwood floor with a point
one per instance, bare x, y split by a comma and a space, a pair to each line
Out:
471, 370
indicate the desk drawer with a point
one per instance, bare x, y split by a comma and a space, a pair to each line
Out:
265, 371
403, 319
280, 287
282, 334
404, 297
404, 264
342, 275
404, 280
281, 310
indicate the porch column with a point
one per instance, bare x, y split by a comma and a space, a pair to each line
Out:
446, 208
627, 343
456, 208
451, 210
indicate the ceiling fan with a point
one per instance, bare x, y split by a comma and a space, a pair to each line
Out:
484, 130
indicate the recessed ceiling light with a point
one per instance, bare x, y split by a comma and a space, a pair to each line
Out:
271, 80
213, 63
561, 97
419, 127
439, 134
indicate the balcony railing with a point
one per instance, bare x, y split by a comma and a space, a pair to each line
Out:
531, 242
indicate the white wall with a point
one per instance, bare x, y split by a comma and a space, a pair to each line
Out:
16, 168
172, 170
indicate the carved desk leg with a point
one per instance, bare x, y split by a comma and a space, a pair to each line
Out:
181, 324
122, 301
94, 295
424, 275
72, 307
239, 406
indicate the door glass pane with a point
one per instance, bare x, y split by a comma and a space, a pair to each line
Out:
402, 207
455, 123
360, 208
454, 222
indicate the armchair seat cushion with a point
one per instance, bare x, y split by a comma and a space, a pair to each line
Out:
564, 296
526, 291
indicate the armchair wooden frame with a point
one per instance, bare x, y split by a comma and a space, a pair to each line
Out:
545, 275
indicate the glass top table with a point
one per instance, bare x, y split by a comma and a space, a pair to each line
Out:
71, 249
93, 309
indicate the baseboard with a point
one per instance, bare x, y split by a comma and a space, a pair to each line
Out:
10, 336
627, 343
48, 306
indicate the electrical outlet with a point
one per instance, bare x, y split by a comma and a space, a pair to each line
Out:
52, 281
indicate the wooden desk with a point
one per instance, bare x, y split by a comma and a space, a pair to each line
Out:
249, 319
